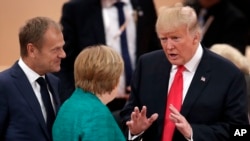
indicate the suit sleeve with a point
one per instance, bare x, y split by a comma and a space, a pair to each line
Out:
133, 100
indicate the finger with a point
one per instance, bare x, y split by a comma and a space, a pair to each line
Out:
136, 110
173, 109
153, 118
177, 118
129, 124
144, 111
179, 125
134, 116
173, 118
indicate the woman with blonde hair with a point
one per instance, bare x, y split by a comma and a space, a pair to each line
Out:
84, 116
232, 54
236, 57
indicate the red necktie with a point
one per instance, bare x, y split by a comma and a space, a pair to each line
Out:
174, 98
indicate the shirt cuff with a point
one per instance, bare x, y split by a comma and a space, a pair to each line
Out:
191, 138
132, 137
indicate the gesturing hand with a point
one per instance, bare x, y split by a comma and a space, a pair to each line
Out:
139, 121
180, 122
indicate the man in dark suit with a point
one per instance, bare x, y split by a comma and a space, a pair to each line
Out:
213, 89
24, 113
89, 22
222, 22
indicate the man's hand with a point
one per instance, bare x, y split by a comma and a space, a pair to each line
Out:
180, 122
139, 121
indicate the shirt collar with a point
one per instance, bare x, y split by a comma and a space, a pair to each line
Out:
30, 74
192, 65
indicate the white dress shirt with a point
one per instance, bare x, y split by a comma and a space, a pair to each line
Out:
112, 32
188, 73
32, 77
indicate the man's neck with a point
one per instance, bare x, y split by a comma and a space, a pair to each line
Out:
108, 3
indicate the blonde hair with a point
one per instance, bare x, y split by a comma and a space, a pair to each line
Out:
170, 18
232, 54
97, 69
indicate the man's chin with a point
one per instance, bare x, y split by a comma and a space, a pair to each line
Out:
175, 62
56, 69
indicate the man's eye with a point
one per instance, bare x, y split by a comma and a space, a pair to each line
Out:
163, 39
174, 38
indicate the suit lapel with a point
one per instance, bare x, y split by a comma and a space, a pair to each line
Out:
23, 85
199, 82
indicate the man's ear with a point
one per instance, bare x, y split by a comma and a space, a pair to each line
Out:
31, 50
197, 38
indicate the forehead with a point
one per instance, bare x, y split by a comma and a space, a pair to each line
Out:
53, 37
180, 30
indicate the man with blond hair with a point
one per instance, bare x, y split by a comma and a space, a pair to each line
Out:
211, 91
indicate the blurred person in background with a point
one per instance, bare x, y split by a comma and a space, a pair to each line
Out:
244, 5
91, 22
239, 60
221, 22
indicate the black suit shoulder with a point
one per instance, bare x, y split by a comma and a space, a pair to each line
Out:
220, 64
5, 78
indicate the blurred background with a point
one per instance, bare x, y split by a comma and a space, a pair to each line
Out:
14, 13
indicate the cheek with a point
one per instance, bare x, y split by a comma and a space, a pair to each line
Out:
162, 44
52, 58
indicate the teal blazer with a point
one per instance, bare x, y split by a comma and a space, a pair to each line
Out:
84, 117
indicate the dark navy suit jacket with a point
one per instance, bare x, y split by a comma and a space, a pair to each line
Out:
21, 118
215, 99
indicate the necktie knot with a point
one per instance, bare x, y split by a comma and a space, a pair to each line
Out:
119, 4
41, 81
181, 68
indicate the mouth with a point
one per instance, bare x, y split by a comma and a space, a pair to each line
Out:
58, 62
173, 56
